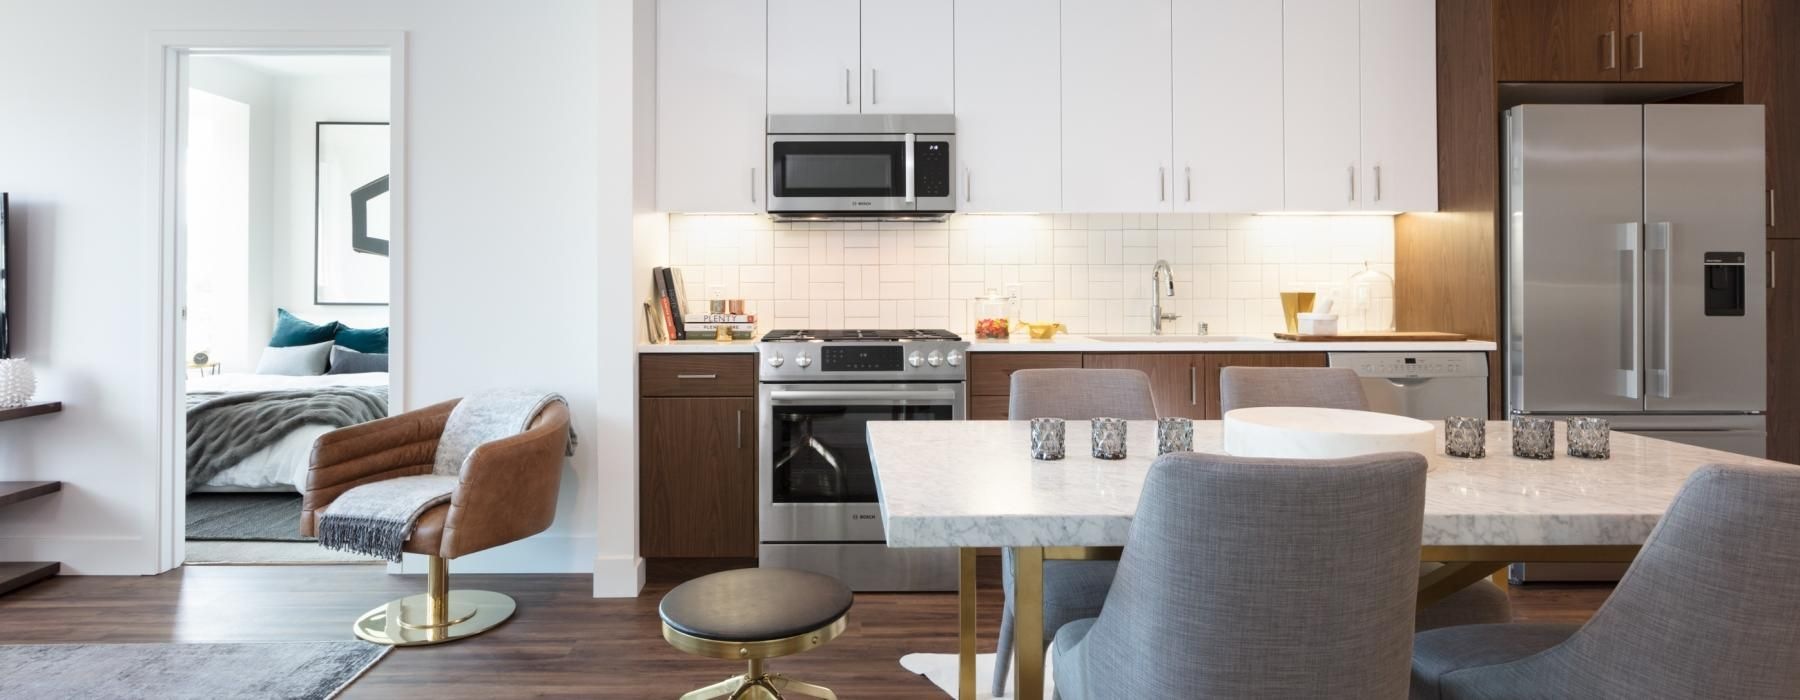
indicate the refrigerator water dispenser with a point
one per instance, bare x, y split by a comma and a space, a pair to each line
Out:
1724, 284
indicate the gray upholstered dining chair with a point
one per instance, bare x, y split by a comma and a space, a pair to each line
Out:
1336, 387
1258, 578
1710, 609
1072, 589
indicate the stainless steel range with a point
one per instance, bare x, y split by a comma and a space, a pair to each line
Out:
818, 504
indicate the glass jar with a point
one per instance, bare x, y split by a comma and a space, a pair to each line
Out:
993, 315
1371, 300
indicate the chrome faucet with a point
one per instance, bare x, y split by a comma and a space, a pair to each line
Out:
1162, 283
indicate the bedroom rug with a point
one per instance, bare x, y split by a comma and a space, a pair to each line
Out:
219, 552
309, 670
940, 669
265, 517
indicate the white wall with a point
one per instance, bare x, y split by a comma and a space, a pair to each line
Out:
520, 167
351, 95
1088, 271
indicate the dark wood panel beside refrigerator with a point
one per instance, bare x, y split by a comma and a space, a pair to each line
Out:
1784, 350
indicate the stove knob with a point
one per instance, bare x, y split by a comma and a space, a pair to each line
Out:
775, 359
803, 359
915, 359
954, 358
934, 359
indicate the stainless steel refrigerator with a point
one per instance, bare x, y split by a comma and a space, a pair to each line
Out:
1635, 274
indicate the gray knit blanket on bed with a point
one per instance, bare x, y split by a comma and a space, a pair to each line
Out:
375, 519
223, 429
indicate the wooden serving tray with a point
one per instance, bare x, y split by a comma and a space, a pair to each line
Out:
1376, 336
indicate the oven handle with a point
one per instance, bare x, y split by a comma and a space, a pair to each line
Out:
877, 395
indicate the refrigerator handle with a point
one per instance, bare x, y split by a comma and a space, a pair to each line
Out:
1662, 240
1631, 241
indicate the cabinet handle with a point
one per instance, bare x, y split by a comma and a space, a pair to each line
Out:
753, 185
1640, 50
1190, 181
1352, 171
1162, 184
1771, 207
1771, 268
846, 86
696, 376
1378, 182
740, 428
874, 87
1193, 384
968, 194
1612, 49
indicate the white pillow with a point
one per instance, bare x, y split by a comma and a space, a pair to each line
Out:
299, 360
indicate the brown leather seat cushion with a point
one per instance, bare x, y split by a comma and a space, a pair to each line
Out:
754, 605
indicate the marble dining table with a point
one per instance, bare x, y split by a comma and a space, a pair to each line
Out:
973, 484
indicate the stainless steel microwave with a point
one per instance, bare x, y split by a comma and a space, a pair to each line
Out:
861, 166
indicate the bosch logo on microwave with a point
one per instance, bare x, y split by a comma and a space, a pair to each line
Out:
855, 203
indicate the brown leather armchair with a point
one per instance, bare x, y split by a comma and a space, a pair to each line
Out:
507, 492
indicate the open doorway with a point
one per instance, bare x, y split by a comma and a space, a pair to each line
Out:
285, 272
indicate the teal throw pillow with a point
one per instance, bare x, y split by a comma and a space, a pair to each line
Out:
291, 331
365, 340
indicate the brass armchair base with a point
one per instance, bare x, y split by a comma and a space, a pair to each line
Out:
757, 684
436, 616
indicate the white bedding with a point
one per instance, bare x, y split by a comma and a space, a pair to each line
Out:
281, 466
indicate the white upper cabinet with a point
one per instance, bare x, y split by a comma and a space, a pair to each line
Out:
1399, 105
814, 56
1008, 113
709, 105
908, 57
1116, 107
1321, 110
1228, 105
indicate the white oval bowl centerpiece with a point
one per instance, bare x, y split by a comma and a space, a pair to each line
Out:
1323, 433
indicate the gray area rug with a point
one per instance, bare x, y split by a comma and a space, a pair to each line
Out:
239, 517
311, 670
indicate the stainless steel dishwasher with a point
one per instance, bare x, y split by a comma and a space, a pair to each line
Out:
1423, 385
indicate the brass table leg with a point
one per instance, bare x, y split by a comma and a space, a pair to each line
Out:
1028, 621
965, 618
1502, 579
1453, 577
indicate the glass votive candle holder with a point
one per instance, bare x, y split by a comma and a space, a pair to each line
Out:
1047, 438
1465, 437
1534, 438
1590, 438
1174, 435
1109, 438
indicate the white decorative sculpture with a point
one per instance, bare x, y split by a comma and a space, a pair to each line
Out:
17, 383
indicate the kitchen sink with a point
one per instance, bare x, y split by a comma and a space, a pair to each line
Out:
1171, 338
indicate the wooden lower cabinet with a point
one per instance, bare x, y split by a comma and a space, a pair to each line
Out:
1784, 351
1174, 378
1217, 361
990, 378
697, 477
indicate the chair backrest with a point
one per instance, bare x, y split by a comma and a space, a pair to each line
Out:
1309, 387
1247, 578
1710, 608
1081, 394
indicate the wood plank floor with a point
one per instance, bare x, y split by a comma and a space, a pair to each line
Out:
562, 643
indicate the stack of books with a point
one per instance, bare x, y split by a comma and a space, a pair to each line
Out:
672, 315
742, 326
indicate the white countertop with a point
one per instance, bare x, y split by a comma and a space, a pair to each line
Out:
974, 484
1081, 343
1217, 343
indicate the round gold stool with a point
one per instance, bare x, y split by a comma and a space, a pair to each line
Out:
753, 615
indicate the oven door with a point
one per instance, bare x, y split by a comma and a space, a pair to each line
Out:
815, 480
860, 173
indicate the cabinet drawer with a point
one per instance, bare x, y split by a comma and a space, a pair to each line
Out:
990, 373
697, 375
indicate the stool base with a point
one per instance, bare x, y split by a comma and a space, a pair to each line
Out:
757, 684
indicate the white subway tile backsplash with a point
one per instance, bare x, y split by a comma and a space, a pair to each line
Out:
1089, 271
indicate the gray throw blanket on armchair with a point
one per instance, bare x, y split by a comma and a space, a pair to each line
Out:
376, 519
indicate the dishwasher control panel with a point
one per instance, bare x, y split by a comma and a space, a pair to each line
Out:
1413, 365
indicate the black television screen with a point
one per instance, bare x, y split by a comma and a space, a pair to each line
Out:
5, 286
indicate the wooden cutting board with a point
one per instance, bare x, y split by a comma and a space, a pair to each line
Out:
1376, 336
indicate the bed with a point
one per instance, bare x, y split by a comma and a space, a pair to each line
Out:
280, 466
